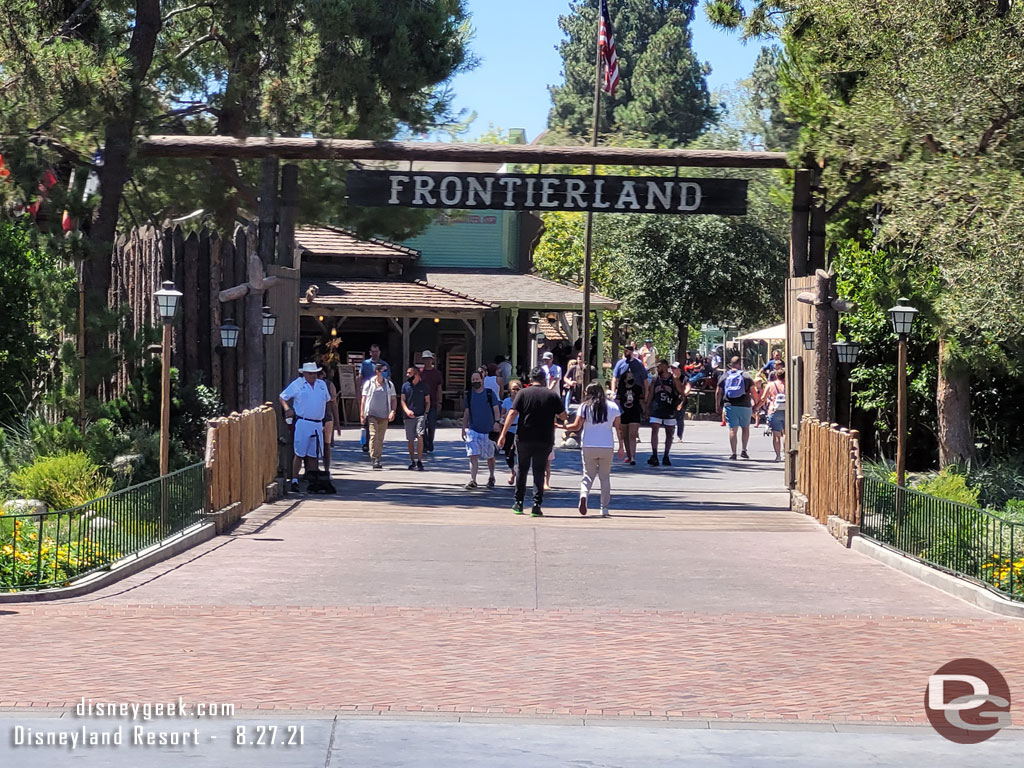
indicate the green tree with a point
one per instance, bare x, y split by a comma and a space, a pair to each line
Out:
34, 292
681, 271
77, 76
663, 95
916, 110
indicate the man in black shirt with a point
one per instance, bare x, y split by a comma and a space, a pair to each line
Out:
537, 408
733, 393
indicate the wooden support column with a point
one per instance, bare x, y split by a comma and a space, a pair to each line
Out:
816, 250
823, 312
599, 347
255, 363
287, 215
514, 354
800, 224
616, 339
406, 347
478, 324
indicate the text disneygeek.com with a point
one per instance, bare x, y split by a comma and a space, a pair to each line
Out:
157, 730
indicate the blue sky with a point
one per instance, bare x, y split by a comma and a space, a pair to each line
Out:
516, 39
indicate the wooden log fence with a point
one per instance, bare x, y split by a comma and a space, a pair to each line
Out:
830, 475
241, 458
201, 264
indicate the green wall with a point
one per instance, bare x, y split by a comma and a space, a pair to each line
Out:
488, 239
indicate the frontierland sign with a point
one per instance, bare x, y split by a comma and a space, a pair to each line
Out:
548, 192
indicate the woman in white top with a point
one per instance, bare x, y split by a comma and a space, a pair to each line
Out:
599, 418
492, 380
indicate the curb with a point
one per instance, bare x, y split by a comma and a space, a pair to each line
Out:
167, 549
952, 585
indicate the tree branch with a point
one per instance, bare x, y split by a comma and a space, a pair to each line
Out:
208, 38
68, 24
932, 144
227, 169
186, 9
990, 132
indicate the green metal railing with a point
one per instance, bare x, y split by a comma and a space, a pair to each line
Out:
955, 537
51, 550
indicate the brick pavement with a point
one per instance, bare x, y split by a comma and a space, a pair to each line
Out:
709, 600
615, 663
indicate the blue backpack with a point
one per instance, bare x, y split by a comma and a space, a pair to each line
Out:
735, 386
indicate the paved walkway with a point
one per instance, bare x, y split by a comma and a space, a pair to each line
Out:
702, 598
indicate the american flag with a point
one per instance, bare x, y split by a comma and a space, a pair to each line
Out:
609, 58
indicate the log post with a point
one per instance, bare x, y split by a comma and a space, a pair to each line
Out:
287, 216
822, 345
799, 226
816, 250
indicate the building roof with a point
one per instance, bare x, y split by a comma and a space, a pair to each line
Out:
389, 297
504, 287
337, 241
552, 330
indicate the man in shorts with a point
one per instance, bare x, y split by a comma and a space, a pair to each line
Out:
415, 404
305, 402
732, 399
663, 397
479, 420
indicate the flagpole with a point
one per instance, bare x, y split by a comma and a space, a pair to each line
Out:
589, 236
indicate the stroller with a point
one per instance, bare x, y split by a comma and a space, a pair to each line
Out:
317, 481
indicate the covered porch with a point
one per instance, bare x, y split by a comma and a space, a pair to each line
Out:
403, 317
533, 314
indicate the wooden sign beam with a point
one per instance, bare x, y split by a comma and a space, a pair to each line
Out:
297, 148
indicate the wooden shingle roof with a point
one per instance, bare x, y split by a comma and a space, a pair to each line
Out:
337, 241
507, 288
389, 297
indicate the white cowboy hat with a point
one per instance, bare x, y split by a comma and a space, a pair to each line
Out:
309, 368
427, 355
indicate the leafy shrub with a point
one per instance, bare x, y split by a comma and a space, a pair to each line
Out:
998, 480
950, 484
62, 481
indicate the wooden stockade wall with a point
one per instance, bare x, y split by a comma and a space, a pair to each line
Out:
200, 264
829, 473
241, 458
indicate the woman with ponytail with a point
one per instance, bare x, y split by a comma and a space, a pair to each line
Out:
598, 417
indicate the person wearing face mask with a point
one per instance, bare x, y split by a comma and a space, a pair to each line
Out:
479, 419
630, 363
630, 398
415, 404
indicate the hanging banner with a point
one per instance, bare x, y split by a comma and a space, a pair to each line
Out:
547, 192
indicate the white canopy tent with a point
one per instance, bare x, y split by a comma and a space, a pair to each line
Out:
773, 333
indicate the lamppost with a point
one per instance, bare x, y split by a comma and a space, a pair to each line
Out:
532, 326
902, 317
847, 353
167, 299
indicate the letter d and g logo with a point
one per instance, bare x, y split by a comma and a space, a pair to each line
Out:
967, 701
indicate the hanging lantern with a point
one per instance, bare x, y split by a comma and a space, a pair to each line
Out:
229, 334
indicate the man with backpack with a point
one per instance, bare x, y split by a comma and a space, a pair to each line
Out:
480, 425
733, 396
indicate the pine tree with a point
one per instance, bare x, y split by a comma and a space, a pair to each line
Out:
663, 95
